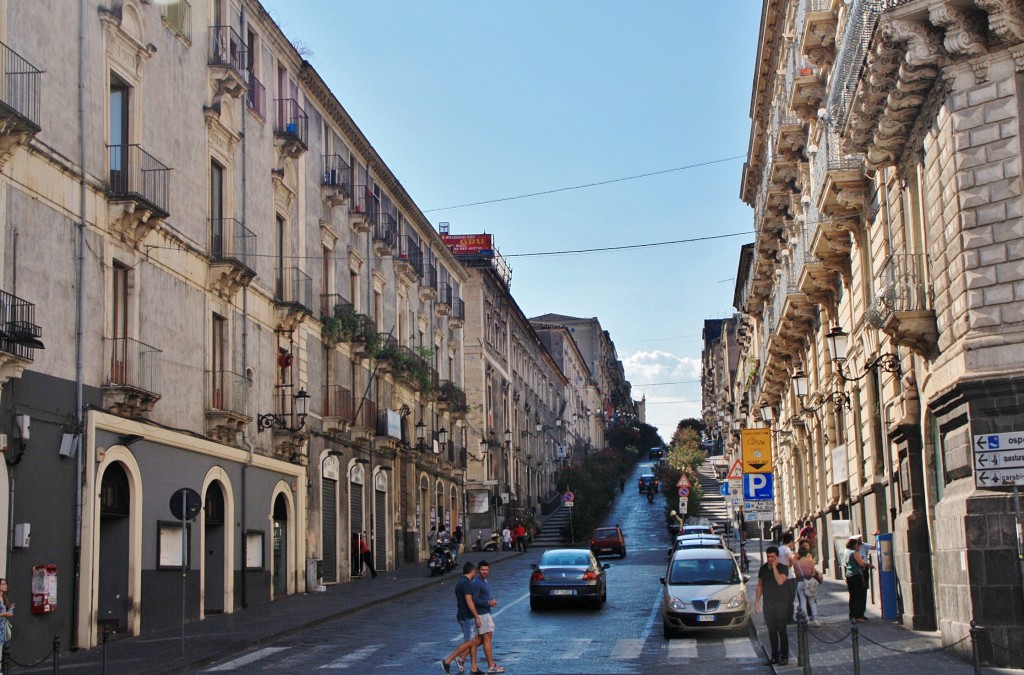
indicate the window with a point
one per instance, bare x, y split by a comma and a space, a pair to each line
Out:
118, 130
216, 210
353, 288
217, 361
119, 323
378, 311
327, 271
251, 42
279, 238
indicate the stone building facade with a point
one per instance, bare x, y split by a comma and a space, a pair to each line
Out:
884, 289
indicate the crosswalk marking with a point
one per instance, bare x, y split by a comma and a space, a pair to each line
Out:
739, 648
247, 659
356, 658
627, 649
682, 649
574, 649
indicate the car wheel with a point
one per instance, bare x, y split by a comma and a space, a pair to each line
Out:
623, 551
535, 604
595, 604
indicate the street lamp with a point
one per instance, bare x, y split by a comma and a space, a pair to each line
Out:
508, 437
767, 414
277, 420
421, 434
838, 340
442, 440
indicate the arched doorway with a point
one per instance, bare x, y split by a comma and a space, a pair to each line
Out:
442, 513
453, 509
113, 597
329, 518
356, 479
280, 553
424, 511
216, 550
380, 519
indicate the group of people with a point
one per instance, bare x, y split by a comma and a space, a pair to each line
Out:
788, 585
514, 537
474, 602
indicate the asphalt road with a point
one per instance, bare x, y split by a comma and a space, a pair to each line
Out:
413, 633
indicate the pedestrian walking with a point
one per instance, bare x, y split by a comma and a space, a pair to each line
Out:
506, 538
366, 557
771, 586
458, 537
787, 558
6, 613
809, 533
855, 568
483, 601
469, 620
808, 578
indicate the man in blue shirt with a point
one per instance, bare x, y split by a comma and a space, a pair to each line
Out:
468, 619
483, 601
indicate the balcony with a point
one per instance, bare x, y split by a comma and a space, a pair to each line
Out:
364, 419
232, 248
840, 179
177, 16
818, 41
19, 335
336, 188
410, 367
132, 385
443, 306
19, 102
256, 97
227, 405
428, 282
409, 260
293, 295
339, 409
457, 318
807, 94
903, 307
138, 187
385, 234
291, 127
362, 214
228, 61
453, 399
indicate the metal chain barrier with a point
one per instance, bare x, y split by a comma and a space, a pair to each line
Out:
931, 650
54, 650
828, 642
1005, 649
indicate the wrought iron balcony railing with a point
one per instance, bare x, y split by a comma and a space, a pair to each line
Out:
386, 229
256, 96
227, 392
19, 90
135, 175
227, 49
230, 240
19, 334
458, 309
337, 172
409, 251
444, 293
133, 364
294, 287
339, 402
364, 201
292, 123
429, 279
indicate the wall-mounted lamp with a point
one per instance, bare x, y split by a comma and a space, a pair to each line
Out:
508, 437
838, 340
839, 399
767, 414
442, 440
277, 420
421, 434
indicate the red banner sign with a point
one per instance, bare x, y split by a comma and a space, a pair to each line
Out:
469, 244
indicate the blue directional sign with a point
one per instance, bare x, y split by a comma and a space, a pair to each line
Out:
758, 486
724, 490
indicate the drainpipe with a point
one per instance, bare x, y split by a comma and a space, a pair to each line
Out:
79, 310
246, 440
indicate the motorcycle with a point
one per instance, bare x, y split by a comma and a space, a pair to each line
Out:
650, 496
443, 558
493, 544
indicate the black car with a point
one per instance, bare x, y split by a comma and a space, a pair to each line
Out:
656, 453
645, 480
568, 574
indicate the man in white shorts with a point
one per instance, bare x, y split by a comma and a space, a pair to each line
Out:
484, 602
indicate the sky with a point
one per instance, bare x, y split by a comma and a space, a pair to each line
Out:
476, 101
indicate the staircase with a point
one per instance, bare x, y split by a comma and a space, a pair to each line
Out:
549, 536
712, 503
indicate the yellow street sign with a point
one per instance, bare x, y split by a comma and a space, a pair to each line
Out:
756, 446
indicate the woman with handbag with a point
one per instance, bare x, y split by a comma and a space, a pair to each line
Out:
808, 578
6, 612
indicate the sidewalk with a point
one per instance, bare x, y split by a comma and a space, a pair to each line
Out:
219, 637
884, 646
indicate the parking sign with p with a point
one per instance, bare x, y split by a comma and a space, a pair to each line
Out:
758, 486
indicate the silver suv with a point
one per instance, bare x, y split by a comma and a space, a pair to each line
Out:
703, 590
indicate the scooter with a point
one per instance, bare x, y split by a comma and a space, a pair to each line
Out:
493, 544
650, 496
438, 562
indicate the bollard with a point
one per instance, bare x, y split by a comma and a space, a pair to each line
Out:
976, 646
802, 656
56, 654
106, 636
855, 637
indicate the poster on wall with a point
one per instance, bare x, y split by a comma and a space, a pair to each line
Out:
478, 501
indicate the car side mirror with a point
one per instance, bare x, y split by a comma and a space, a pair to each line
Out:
606, 565
663, 581
746, 578
533, 565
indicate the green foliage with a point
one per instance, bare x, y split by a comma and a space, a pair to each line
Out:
595, 483
341, 325
684, 457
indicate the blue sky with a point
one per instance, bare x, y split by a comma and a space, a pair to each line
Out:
475, 101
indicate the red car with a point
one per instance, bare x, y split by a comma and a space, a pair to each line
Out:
607, 540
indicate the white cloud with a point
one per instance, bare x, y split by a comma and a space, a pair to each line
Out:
667, 403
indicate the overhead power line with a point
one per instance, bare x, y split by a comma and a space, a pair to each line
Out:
588, 185
629, 246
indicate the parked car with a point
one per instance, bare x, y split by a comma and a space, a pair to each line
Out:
607, 540
568, 575
698, 529
703, 589
699, 541
656, 453
647, 479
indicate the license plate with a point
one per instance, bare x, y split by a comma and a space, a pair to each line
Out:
708, 618
606, 548
563, 591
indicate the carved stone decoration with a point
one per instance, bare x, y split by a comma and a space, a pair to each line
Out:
916, 330
225, 426
965, 30
1005, 19
283, 194
125, 31
818, 42
221, 138
131, 222
923, 43
11, 366
128, 401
